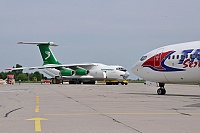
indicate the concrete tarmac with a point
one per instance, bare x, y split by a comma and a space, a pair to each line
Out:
135, 108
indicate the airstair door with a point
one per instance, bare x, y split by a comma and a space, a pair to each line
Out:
104, 75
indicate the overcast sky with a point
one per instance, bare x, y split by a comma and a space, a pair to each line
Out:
113, 32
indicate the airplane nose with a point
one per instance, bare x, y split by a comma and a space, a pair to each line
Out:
126, 75
135, 69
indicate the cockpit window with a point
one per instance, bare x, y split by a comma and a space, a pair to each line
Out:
121, 69
143, 58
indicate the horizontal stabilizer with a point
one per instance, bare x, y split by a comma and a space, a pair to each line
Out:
14, 69
39, 43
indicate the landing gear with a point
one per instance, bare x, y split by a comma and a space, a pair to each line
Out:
161, 90
74, 82
124, 83
108, 83
115, 82
89, 82
112, 83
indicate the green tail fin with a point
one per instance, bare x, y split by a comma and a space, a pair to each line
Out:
47, 55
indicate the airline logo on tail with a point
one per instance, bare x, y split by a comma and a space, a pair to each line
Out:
157, 63
48, 54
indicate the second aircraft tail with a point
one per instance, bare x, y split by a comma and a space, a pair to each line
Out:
46, 53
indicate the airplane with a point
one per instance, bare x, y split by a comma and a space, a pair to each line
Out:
176, 63
86, 73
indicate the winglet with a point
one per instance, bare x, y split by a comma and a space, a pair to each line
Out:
39, 43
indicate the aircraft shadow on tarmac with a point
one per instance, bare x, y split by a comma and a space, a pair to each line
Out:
175, 95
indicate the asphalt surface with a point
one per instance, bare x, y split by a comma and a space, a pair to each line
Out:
135, 108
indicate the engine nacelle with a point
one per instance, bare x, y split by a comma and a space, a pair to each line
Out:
81, 72
66, 72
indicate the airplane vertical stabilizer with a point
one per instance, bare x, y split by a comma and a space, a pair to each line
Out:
46, 53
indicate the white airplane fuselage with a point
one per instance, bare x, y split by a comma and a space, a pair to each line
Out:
178, 63
96, 72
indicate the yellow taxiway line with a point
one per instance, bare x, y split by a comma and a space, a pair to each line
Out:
37, 100
37, 123
37, 109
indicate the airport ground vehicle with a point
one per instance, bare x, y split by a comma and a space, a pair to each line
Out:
10, 79
46, 81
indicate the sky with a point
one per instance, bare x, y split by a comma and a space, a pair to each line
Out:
112, 32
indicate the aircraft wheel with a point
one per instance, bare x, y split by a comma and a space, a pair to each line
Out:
117, 83
161, 91
108, 83
78, 82
90, 82
72, 82
122, 83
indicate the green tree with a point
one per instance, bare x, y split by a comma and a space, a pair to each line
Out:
2, 75
37, 75
22, 77
30, 75
34, 79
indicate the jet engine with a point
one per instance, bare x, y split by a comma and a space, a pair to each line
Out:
81, 72
67, 72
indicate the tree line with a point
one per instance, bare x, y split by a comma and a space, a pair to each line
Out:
19, 75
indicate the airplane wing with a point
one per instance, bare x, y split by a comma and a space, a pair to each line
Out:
81, 65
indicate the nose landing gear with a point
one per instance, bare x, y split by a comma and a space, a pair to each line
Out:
161, 90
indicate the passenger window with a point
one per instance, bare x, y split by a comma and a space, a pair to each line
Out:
121, 69
192, 56
182, 56
177, 57
169, 57
173, 56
